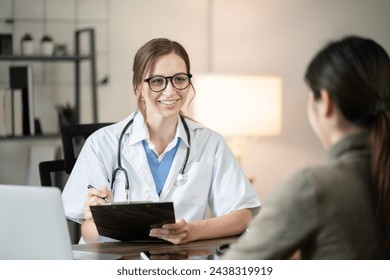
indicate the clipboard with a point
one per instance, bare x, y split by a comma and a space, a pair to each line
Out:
132, 221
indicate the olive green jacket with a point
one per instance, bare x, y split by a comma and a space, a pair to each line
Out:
326, 212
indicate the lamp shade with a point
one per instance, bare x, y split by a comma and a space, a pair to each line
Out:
239, 105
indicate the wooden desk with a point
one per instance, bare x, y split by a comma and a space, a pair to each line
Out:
159, 250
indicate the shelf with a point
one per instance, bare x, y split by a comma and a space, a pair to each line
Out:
44, 58
30, 137
77, 58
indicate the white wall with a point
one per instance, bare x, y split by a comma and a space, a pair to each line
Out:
247, 37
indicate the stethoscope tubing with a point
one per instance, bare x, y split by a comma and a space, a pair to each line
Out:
120, 168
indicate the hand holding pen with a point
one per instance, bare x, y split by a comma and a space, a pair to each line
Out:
99, 193
96, 197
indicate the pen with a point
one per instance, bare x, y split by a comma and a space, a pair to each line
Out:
92, 187
144, 256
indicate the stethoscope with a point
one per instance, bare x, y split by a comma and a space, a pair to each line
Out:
181, 179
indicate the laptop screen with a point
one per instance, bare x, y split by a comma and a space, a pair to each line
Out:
33, 224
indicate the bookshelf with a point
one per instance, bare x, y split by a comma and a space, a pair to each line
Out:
76, 59
31, 137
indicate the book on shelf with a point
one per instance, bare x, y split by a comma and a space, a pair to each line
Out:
3, 114
6, 112
17, 112
21, 81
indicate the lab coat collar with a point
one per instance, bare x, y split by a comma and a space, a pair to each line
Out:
181, 132
120, 125
134, 153
138, 130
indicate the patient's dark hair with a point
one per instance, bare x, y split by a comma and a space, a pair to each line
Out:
356, 73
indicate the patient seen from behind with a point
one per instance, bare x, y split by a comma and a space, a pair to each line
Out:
340, 210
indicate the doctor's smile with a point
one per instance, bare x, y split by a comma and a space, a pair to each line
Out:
168, 102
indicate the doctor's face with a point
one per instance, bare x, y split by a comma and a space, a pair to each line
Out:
168, 102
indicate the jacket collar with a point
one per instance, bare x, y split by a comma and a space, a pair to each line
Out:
355, 141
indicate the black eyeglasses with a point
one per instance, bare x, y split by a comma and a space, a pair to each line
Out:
179, 81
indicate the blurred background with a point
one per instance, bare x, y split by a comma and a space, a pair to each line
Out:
233, 37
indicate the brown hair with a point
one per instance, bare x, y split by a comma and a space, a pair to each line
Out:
146, 57
356, 73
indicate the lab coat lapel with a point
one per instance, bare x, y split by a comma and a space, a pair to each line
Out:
136, 157
179, 159
133, 152
176, 166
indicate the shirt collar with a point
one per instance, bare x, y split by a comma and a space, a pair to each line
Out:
180, 134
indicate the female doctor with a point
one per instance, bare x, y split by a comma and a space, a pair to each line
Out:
160, 155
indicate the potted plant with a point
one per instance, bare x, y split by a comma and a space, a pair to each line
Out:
47, 45
27, 44
66, 115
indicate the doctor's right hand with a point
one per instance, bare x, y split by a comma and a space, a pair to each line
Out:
96, 197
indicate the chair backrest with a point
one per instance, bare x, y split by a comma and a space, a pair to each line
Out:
47, 168
70, 135
57, 167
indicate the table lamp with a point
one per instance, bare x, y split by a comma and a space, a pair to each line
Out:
240, 107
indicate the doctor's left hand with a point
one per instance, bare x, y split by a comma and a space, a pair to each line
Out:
177, 233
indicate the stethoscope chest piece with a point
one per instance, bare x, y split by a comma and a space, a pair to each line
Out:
181, 179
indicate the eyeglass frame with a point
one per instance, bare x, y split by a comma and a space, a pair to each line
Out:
189, 75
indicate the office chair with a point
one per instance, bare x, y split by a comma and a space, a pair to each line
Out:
71, 136
68, 135
47, 168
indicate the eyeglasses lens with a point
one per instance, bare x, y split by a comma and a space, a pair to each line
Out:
179, 81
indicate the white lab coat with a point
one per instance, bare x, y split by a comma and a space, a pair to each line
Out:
214, 176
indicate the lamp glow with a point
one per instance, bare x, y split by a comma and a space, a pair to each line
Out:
239, 106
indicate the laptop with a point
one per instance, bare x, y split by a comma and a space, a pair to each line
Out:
33, 226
